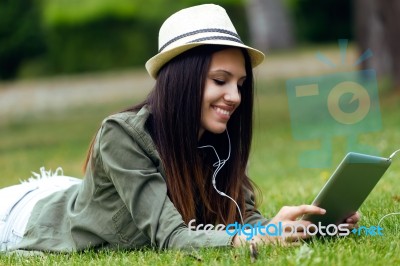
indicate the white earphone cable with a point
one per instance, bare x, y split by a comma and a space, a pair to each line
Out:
393, 213
219, 164
393, 154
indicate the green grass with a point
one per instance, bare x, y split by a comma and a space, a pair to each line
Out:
62, 138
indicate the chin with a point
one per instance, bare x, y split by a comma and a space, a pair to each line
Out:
218, 130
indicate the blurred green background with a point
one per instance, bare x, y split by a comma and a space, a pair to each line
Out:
52, 37
48, 37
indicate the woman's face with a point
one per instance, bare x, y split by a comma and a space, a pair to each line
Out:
221, 95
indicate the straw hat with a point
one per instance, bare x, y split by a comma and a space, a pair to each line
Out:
194, 26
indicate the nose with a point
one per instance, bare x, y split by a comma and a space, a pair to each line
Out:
232, 95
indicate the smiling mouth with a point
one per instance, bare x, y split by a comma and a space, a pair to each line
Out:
222, 111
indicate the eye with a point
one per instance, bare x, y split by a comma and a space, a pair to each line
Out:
219, 82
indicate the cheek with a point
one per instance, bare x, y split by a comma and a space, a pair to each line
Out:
210, 94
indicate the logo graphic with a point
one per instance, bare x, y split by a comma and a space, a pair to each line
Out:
368, 231
342, 104
283, 230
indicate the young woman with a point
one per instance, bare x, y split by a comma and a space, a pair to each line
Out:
176, 159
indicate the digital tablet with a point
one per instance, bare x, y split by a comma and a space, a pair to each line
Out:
348, 187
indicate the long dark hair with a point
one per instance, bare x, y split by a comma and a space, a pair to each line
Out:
175, 105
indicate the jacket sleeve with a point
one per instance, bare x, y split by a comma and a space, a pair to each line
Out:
254, 216
143, 190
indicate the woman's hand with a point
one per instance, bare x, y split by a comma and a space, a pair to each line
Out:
352, 220
288, 217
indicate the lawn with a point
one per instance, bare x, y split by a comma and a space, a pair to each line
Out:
62, 139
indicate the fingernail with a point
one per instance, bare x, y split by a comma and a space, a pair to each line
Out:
349, 220
323, 211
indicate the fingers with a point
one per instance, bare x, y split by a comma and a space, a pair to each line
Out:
289, 231
293, 212
351, 222
349, 226
295, 230
353, 219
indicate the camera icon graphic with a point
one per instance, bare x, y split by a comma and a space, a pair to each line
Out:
342, 104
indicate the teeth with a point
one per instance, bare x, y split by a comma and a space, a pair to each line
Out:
222, 111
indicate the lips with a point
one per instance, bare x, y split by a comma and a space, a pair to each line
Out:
224, 111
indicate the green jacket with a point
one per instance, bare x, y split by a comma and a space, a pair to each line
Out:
121, 203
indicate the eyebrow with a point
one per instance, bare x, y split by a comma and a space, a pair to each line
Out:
226, 72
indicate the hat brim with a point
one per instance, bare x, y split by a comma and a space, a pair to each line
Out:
154, 64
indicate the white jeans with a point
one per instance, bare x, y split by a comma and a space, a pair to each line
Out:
18, 201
